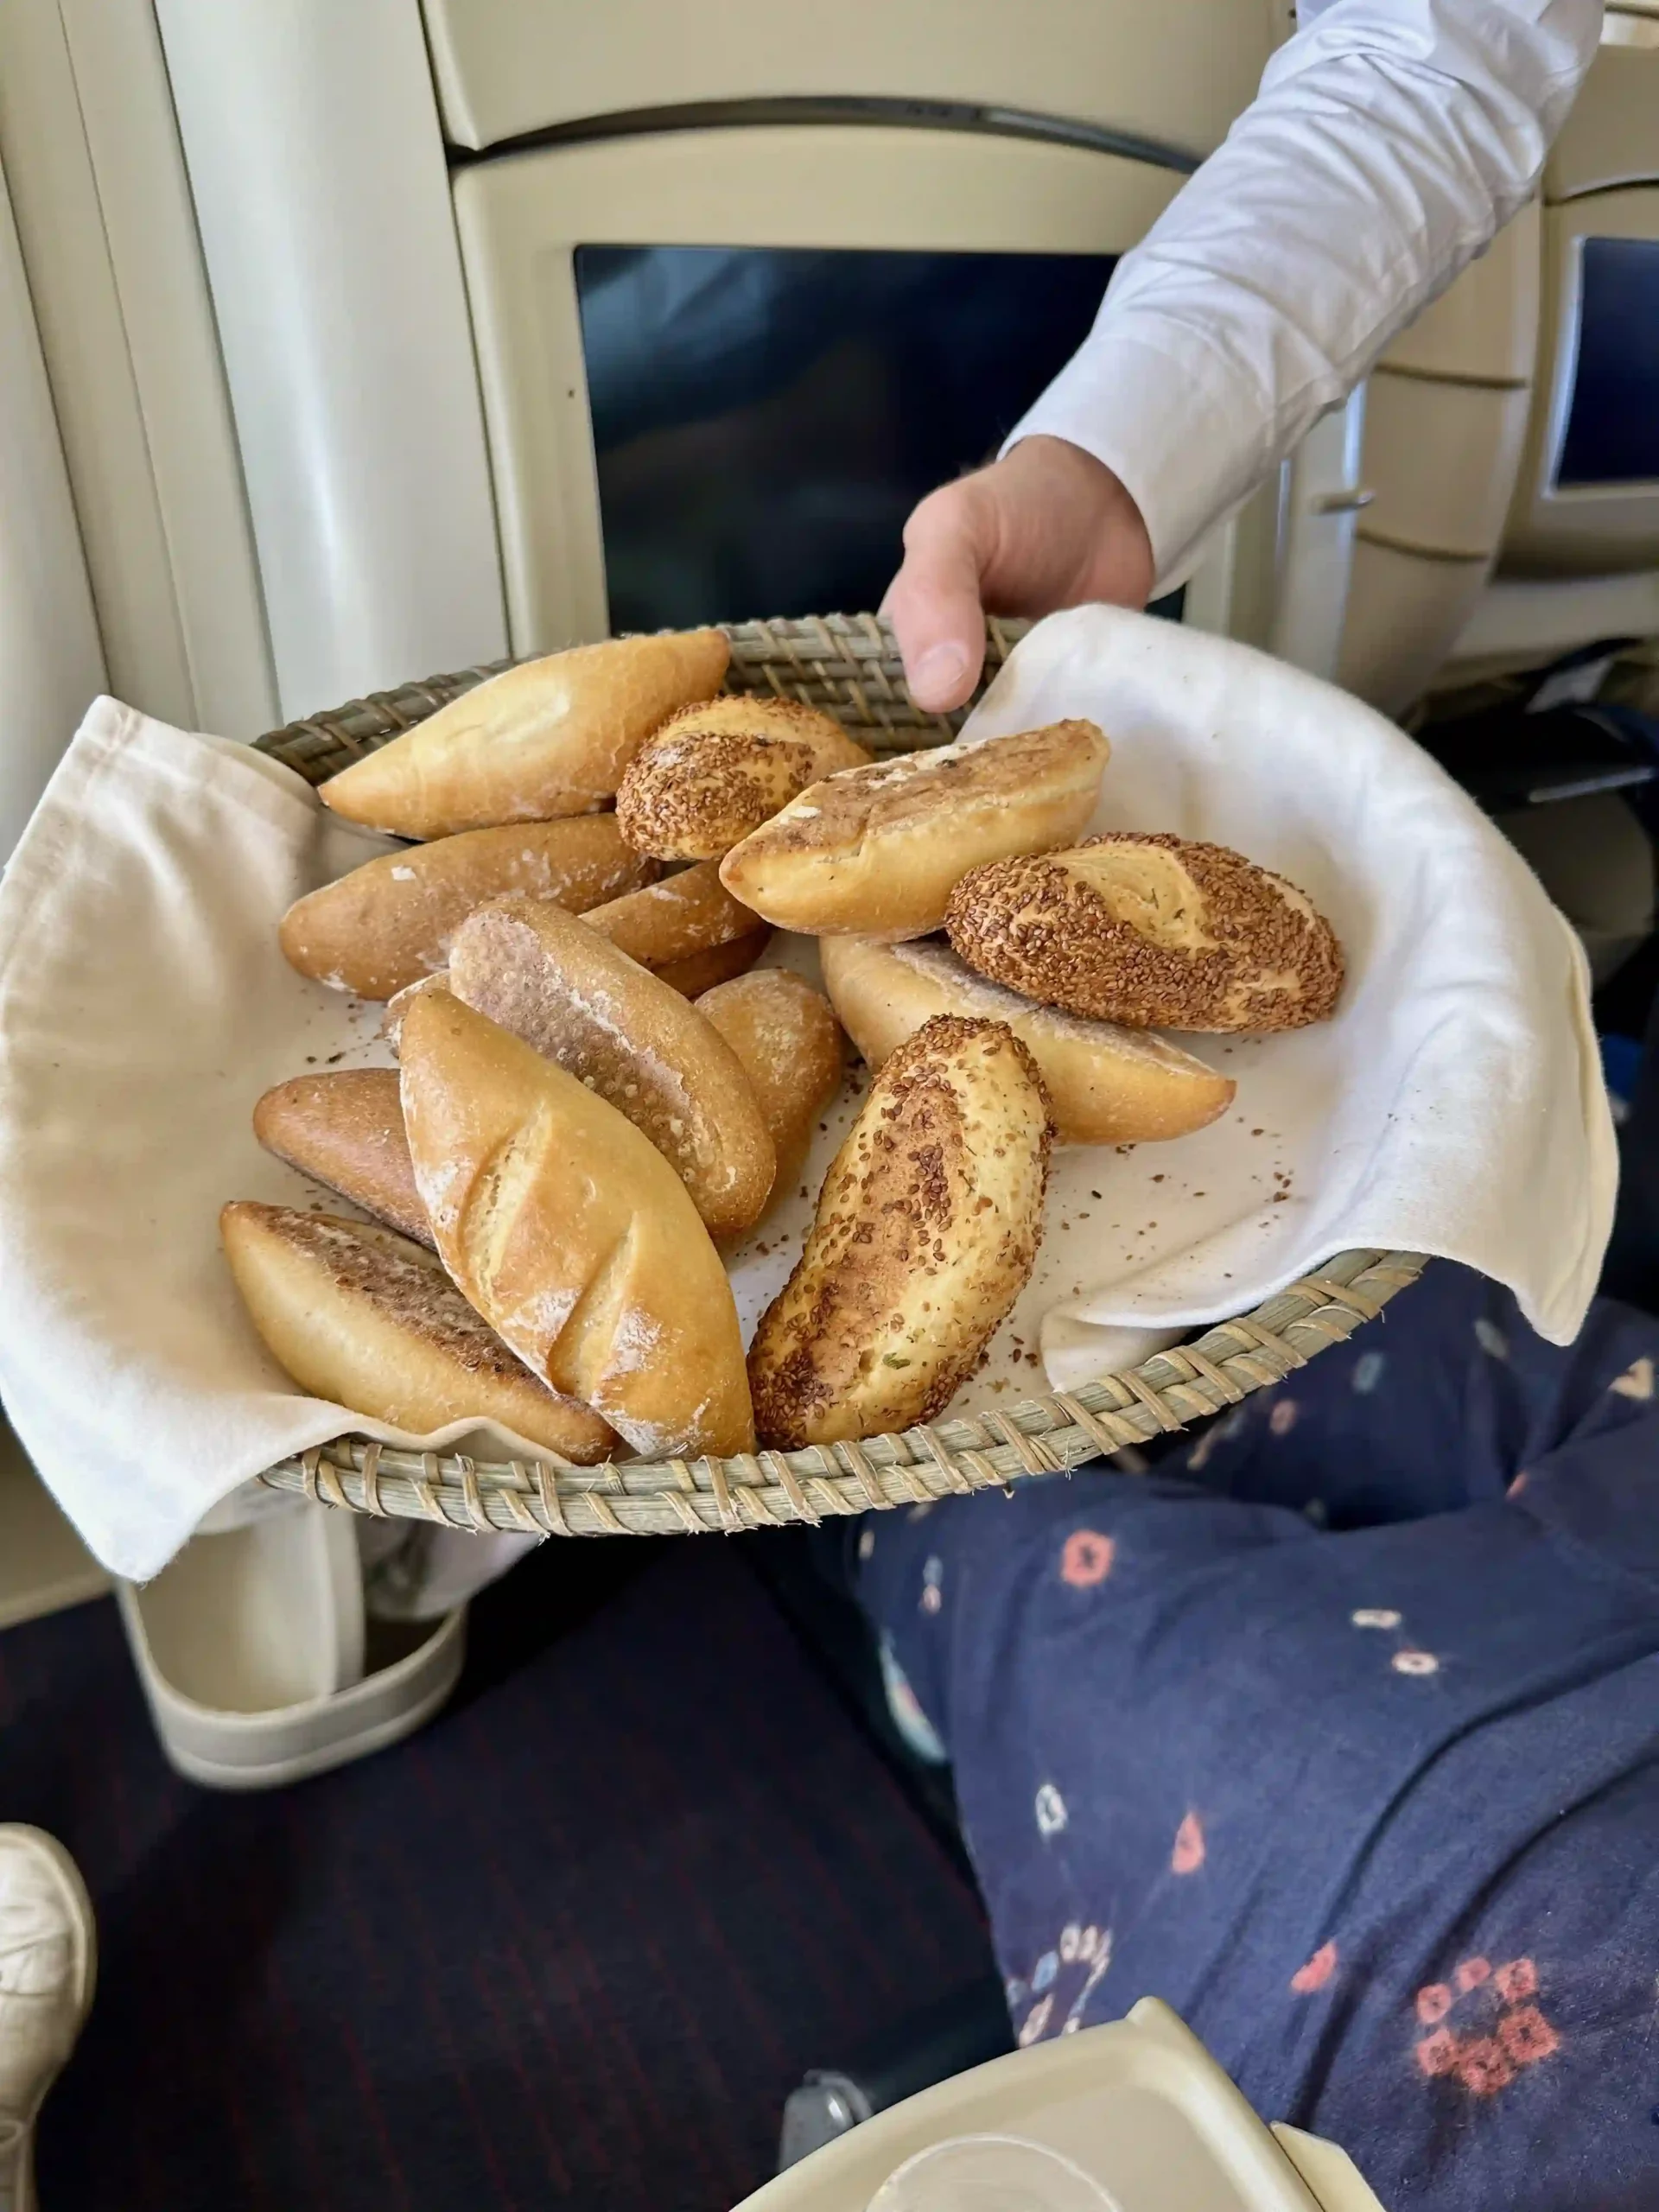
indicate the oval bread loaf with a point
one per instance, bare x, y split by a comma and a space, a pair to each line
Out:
347, 1129
875, 852
1107, 1084
688, 929
391, 1021
926, 1229
389, 922
361, 1316
548, 738
572, 1235
714, 772
631, 1038
787, 1039
1153, 932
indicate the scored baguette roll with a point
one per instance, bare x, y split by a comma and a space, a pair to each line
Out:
548, 738
875, 852
1106, 1084
391, 1021
789, 1042
347, 1129
927, 1227
389, 922
1154, 931
688, 929
572, 1235
714, 772
630, 1039
358, 1315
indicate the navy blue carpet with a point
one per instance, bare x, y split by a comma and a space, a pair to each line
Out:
571, 1945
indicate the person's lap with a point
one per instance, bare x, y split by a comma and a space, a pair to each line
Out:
1340, 1731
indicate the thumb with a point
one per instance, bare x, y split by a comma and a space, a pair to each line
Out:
934, 602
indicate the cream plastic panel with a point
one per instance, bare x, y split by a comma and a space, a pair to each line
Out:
803, 185
109, 237
1485, 327
1320, 502
311, 135
1517, 624
1405, 612
1178, 72
1590, 531
1442, 459
1611, 136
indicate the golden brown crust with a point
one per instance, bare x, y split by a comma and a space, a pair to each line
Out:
789, 1042
572, 1235
360, 1316
1151, 931
875, 852
631, 1038
1106, 1084
927, 1227
347, 1129
549, 739
687, 914
389, 922
714, 772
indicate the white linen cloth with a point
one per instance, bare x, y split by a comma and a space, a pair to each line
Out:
1454, 1105
1390, 142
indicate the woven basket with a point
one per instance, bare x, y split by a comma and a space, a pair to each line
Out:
849, 665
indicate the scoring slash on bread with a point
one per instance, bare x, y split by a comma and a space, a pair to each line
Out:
630, 1039
714, 772
549, 739
359, 1315
688, 929
572, 1235
346, 1129
788, 1041
926, 1230
1153, 932
875, 851
1107, 1084
389, 923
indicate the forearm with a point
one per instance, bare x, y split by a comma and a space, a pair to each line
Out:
1390, 141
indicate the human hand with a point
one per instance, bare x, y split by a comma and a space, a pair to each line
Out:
1047, 526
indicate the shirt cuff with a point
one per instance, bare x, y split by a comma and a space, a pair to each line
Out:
1186, 432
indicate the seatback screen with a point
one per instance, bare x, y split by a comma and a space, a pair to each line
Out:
1612, 424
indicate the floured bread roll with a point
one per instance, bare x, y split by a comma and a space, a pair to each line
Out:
688, 929
631, 1038
1107, 1084
572, 1235
391, 1021
927, 1227
714, 772
875, 852
389, 922
360, 1316
547, 739
787, 1039
347, 1129
1153, 932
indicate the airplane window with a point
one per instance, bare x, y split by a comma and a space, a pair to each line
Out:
1613, 430
765, 419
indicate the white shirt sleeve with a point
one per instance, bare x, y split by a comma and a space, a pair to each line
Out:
1390, 141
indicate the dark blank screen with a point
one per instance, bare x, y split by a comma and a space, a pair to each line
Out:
765, 420
1612, 431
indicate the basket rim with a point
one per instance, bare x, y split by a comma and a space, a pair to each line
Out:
849, 663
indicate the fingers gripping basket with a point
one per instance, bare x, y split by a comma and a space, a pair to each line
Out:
849, 666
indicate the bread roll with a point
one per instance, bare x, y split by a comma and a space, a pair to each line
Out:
391, 1021
572, 1235
927, 1227
1106, 1086
362, 1317
389, 922
672, 926
546, 739
631, 1037
1152, 931
875, 851
712, 773
789, 1042
347, 1129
